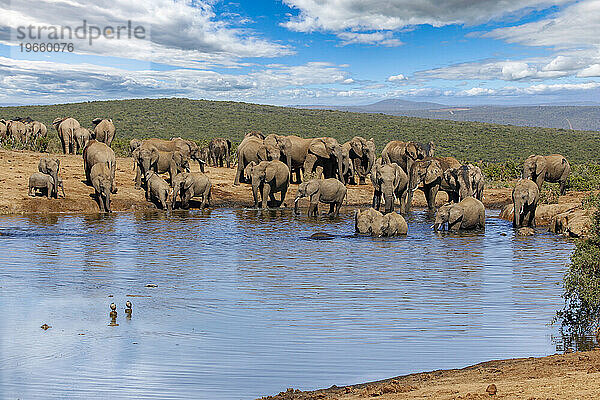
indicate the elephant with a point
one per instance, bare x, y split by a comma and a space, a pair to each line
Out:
268, 178
104, 130
362, 153
330, 191
253, 149
82, 137
157, 190
429, 149
525, 197
347, 165
284, 144
18, 132
66, 133
134, 144
324, 156
464, 181
364, 220
430, 172
389, 181
188, 148
50, 166
552, 168
3, 130
297, 153
256, 134
204, 154
45, 183
220, 152
191, 184
36, 129
464, 215
102, 180
402, 153
99, 153
149, 158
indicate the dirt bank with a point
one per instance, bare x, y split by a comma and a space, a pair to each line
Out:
565, 376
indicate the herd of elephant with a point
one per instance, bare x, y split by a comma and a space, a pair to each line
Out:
321, 166
22, 131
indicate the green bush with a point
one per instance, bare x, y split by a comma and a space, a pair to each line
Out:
550, 193
584, 177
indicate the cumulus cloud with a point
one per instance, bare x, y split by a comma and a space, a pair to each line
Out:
397, 78
376, 38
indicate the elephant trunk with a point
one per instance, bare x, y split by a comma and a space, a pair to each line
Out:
388, 196
296, 200
340, 168
370, 162
106, 200
255, 194
436, 226
55, 186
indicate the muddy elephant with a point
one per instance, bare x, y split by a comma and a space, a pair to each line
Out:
188, 148
389, 181
18, 132
552, 168
220, 152
65, 127
99, 153
191, 184
104, 130
402, 153
362, 153
157, 190
149, 158
253, 149
465, 215
102, 180
329, 191
44, 183
525, 197
268, 178
284, 144
324, 156
464, 181
430, 172
50, 166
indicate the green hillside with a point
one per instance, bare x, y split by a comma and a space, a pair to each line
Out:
201, 120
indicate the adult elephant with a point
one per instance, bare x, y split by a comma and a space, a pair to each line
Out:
402, 153
284, 144
390, 182
298, 152
66, 133
525, 197
17, 131
82, 137
191, 184
552, 168
268, 178
464, 215
50, 166
324, 156
430, 172
37, 129
187, 148
104, 130
95, 153
330, 191
148, 158
464, 181
220, 152
362, 153
3, 130
253, 149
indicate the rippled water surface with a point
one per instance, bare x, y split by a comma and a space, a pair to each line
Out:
248, 305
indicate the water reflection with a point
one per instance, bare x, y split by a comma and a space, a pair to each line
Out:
249, 287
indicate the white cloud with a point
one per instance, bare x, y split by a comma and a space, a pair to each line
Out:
396, 78
376, 38
592, 70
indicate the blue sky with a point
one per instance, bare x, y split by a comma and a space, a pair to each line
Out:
285, 52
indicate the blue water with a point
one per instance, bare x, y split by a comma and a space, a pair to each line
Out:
247, 305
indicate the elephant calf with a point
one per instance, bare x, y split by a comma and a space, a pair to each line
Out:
464, 215
268, 178
44, 183
101, 179
330, 191
157, 190
191, 184
389, 181
525, 196
375, 223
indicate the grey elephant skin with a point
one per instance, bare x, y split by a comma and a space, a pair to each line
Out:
44, 183
36, 129
467, 214
102, 182
464, 181
324, 156
17, 131
253, 149
3, 131
82, 137
149, 158
329, 191
157, 190
430, 172
284, 144
100, 153
402, 153
362, 153
191, 184
552, 168
372, 222
390, 182
65, 127
220, 152
50, 166
188, 148
525, 197
104, 130
268, 178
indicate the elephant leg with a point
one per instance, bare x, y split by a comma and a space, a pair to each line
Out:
376, 200
266, 194
331, 209
309, 164
432, 195
138, 177
240, 170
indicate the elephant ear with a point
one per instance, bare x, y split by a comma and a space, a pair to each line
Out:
357, 147
455, 215
397, 175
313, 187
319, 148
432, 173
97, 121
540, 165
188, 182
248, 170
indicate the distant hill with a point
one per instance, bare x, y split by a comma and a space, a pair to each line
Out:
579, 117
201, 120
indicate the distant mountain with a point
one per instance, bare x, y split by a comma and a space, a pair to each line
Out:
578, 117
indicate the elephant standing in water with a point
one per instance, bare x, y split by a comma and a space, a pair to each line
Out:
376, 224
102, 181
552, 168
268, 178
50, 166
362, 155
464, 181
330, 191
525, 197
191, 184
390, 182
66, 133
464, 215
157, 190
430, 172
104, 130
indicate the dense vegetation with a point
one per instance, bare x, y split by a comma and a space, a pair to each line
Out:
201, 120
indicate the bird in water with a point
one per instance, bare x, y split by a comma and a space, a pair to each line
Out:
113, 310
128, 309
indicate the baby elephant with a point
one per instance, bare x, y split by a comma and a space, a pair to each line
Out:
157, 190
191, 184
268, 178
100, 176
330, 191
44, 183
466, 214
390, 182
375, 223
525, 198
